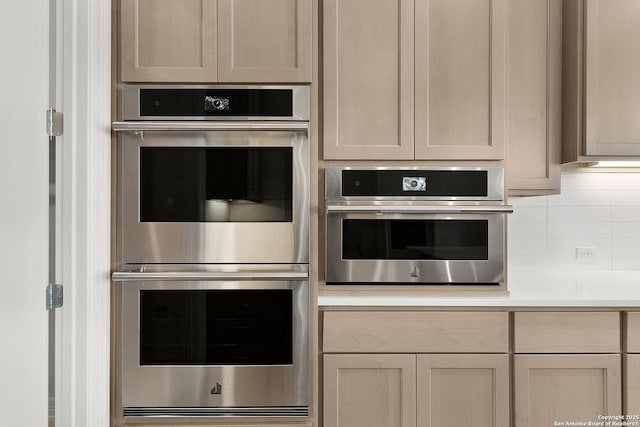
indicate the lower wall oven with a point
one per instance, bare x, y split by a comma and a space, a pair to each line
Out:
215, 342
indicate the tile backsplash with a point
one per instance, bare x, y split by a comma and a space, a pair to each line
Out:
594, 210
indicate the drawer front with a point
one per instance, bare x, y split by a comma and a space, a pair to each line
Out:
567, 332
633, 332
415, 332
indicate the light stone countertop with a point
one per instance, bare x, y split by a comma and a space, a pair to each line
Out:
526, 289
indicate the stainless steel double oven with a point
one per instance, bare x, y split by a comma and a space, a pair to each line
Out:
215, 250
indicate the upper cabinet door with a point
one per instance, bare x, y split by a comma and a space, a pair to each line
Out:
264, 41
612, 70
460, 79
534, 82
368, 79
168, 41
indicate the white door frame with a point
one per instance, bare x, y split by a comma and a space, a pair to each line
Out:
82, 388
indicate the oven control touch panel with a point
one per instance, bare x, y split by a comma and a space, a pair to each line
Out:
414, 183
419, 182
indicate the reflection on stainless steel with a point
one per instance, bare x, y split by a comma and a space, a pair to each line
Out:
211, 272
423, 267
205, 126
270, 411
244, 389
425, 208
215, 242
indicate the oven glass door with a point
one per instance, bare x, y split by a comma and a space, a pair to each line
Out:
215, 197
214, 344
216, 327
216, 184
406, 248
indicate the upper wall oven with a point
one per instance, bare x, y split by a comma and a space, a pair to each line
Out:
215, 175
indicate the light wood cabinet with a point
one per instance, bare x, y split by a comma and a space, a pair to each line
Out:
380, 390
416, 332
551, 388
601, 85
567, 332
481, 368
375, 50
633, 332
368, 79
632, 364
372, 390
166, 40
632, 385
463, 390
211, 41
368, 388
566, 387
534, 103
460, 79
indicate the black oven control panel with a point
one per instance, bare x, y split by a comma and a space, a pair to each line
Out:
430, 183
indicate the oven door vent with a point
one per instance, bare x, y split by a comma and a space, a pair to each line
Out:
271, 411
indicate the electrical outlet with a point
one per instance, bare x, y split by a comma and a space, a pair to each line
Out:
586, 254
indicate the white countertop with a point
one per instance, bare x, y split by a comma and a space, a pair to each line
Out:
526, 289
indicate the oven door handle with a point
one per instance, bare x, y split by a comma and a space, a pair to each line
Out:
418, 209
205, 125
138, 276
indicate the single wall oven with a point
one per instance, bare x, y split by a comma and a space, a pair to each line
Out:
209, 341
212, 174
439, 225
214, 231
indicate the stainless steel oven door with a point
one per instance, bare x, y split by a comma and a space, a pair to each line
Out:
226, 344
216, 196
448, 247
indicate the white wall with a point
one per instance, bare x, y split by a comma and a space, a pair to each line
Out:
600, 210
24, 182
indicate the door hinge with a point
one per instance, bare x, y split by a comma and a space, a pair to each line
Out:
54, 122
54, 296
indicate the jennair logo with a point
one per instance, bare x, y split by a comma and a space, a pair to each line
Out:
217, 389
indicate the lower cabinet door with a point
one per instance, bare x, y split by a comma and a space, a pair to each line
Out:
632, 389
463, 390
370, 390
565, 388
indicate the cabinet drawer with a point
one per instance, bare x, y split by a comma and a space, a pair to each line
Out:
570, 332
415, 332
633, 332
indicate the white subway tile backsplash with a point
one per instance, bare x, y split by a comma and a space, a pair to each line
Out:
626, 214
557, 246
625, 198
528, 201
626, 246
626, 261
567, 261
530, 262
585, 181
623, 181
528, 246
579, 230
528, 214
579, 214
598, 210
625, 230
527, 230
581, 198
